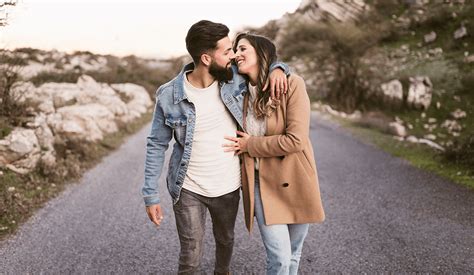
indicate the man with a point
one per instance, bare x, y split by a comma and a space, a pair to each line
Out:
198, 108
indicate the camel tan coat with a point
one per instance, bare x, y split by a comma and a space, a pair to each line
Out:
288, 177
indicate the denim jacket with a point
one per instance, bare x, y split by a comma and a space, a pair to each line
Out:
174, 117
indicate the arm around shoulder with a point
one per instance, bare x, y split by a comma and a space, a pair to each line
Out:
297, 125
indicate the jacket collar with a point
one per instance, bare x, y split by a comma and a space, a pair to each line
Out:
178, 87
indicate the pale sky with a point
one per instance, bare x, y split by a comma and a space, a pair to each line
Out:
148, 28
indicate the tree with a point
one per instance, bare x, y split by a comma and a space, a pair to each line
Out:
340, 45
5, 5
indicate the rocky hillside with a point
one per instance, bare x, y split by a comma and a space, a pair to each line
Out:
406, 65
53, 100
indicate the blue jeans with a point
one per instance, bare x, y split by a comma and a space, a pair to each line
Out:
283, 242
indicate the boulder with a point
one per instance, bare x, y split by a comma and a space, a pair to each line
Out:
469, 59
451, 126
397, 129
429, 37
20, 150
460, 33
85, 122
431, 144
139, 100
412, 139
420, 92
392, 93
458, 114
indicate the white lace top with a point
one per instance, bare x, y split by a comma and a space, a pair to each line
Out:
255, 127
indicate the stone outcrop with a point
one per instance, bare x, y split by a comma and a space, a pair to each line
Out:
420, 92
81, 112
392, 93
20, 150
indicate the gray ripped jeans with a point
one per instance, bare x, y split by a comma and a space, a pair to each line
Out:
190, 213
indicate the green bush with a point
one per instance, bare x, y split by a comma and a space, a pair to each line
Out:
467, 82
134, 71
462, 152
66, 76
340, 44
269, 30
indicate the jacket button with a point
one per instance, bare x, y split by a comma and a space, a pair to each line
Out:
285, 184
186, 143
183, 163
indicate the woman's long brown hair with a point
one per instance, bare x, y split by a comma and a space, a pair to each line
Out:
266, 55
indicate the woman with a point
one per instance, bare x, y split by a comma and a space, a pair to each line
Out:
279, 179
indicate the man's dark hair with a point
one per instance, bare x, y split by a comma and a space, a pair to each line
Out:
203, 36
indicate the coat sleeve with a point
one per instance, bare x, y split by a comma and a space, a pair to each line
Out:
297, 126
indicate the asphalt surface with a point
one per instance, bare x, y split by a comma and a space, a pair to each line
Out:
382, 215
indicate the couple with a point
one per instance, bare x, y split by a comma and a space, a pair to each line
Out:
202, 109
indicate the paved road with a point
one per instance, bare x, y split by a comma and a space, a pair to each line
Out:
382, 216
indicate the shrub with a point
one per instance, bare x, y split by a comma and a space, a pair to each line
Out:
342, 44
70, 76
269, 30
462, 152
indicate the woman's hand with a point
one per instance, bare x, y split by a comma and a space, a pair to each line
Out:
278, 83
238, 145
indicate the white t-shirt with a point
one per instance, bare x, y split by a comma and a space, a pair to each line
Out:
211, 171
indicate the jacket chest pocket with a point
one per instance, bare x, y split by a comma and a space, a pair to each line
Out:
178, 124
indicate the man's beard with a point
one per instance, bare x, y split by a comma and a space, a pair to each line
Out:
220, 73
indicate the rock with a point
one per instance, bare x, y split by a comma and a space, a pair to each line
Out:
458, 114
64, 111
46, 141
451, 126
93, 92
397, 129
403, 51
412, 139
432, 120
355, 115
460, 33
457, 98
438, 105
430, 37
139, 100
392, 93
398, 138
20, 150
431, 144
85, 122
46, 107
420, 92
469, 59
338, 9
331, 111
430, 137
436, 51
48, 159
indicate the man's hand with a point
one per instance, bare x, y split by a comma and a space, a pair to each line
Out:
155, 214
278, 83
239, 145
